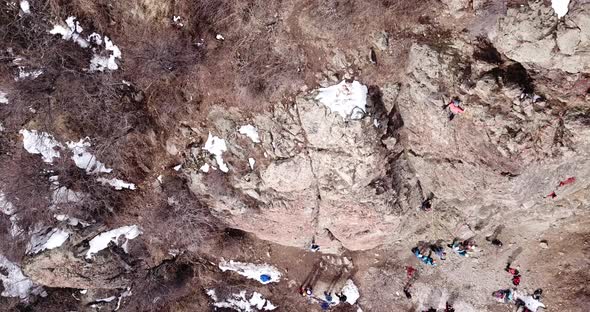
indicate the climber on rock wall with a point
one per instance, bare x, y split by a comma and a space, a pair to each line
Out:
454, 108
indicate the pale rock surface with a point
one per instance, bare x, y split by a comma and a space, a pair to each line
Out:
526, 36
60, 268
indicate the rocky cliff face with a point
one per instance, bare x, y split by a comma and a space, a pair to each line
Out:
353, 183
328, 122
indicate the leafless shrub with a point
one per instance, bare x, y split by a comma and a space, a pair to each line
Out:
26, 186
188, 221
208, 16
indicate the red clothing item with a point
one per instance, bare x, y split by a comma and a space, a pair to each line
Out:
567, 181
516, 280
455, 109
512, 271
552, 195
410, 271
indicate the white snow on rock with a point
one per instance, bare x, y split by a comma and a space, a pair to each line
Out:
5, 206
177, 20
15, 283
95, 38
25, 6
46, 241
252, 271
560, 7
252, 162
8, 209
260, 303
240, 302
205, 168
118, 184
101, 62
217, 146
219, 37
3, 98
351, 292
84, 159
27, 74
126, 293
40, 143
72, 31
102, 240
348, 99
269, 306
251, 132
108, 299
71, 220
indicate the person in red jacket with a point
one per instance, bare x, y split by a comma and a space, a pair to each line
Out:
515, 274
454, 108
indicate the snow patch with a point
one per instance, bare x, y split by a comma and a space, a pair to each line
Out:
240, 302
102, 240
101, 62
251, 161
219, 37
348, 99
84, 159
8, 209
108, 299
95, 38
205, 168
15, 283
177, 20
251, 132
3, 98
351, 292
126, 293
560, 7
5, 206
25, 6
27, 74
40, 143
71, 220
252, 271
72, 31
217, 146
118, 184
46, 241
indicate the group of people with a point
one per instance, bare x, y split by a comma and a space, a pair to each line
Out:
326, 297
326, 301
424, 251
448, 308
524, 302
